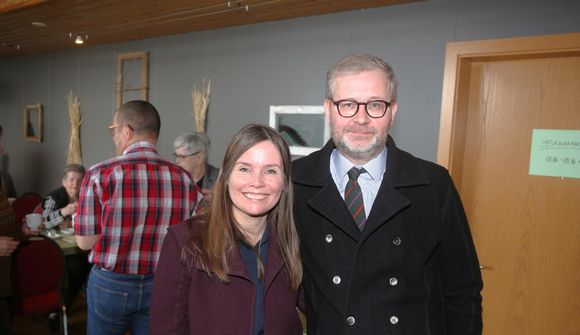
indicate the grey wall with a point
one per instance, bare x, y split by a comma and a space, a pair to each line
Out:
252, 67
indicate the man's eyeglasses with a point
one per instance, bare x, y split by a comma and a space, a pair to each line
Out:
375, 108
114, 126
178, 156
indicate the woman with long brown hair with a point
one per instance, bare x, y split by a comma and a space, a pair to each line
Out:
235, 267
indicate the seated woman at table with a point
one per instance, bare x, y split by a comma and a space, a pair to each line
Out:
59, 205
235, 267
57, 210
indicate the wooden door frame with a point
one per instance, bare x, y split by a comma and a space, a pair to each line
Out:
459, 54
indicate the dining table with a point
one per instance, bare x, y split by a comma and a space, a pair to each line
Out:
68, 244
65, 239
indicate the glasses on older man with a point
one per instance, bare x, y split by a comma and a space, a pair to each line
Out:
178, 156
374, 108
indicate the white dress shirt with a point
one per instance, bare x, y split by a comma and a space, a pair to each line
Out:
369, 182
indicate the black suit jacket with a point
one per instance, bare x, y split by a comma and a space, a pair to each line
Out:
412, 270
210, 177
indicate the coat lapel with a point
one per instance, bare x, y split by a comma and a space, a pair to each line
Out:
237, 267
402, 171
274, 261
211, 174
387, 203
330, 205
236, 264
327, 202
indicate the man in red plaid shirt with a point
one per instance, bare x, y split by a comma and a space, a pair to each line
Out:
126, 204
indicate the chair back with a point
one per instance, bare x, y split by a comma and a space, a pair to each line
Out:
25, 204
38, 209
38, 267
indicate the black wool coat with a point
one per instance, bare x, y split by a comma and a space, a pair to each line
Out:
412, 270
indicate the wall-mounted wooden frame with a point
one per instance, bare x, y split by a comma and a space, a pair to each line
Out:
132, 77
33, 123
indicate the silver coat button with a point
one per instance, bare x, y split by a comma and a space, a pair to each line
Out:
336, 280
393, 281
394, 320
397, 241
350, 321
328, 238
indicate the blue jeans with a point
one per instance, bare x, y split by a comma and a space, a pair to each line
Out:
118, 302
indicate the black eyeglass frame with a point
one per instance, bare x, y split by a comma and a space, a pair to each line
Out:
387, 105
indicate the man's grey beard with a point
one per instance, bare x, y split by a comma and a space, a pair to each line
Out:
360, 153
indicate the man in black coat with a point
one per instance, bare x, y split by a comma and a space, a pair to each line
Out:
385, 242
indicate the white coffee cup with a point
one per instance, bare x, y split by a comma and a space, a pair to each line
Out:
33, 220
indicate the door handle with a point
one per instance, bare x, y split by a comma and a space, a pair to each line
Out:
485, 267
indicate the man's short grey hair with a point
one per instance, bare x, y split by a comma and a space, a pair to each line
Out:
193, 142
358, 63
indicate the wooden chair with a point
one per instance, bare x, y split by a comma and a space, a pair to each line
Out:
38, 269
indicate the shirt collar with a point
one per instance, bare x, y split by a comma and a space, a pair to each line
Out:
375, 168
138, 145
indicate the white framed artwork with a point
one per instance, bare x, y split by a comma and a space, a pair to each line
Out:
304, 128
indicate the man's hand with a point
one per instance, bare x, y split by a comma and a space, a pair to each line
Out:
7, 245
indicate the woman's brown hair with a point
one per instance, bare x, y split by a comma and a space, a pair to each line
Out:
218, 237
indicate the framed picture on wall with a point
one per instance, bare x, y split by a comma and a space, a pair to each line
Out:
132, 77
303, 127
33, 123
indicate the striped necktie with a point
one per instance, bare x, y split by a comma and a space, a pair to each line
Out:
354, 199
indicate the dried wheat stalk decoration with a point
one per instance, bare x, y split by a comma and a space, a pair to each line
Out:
74, 146
200, 100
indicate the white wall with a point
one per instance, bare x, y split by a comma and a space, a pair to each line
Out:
252, 67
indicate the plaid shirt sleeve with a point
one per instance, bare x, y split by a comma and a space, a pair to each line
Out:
87, 220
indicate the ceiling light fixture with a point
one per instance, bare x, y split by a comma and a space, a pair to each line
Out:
79, 39
39, 24
16, 46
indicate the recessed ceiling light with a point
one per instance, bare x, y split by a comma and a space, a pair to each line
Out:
39, 24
